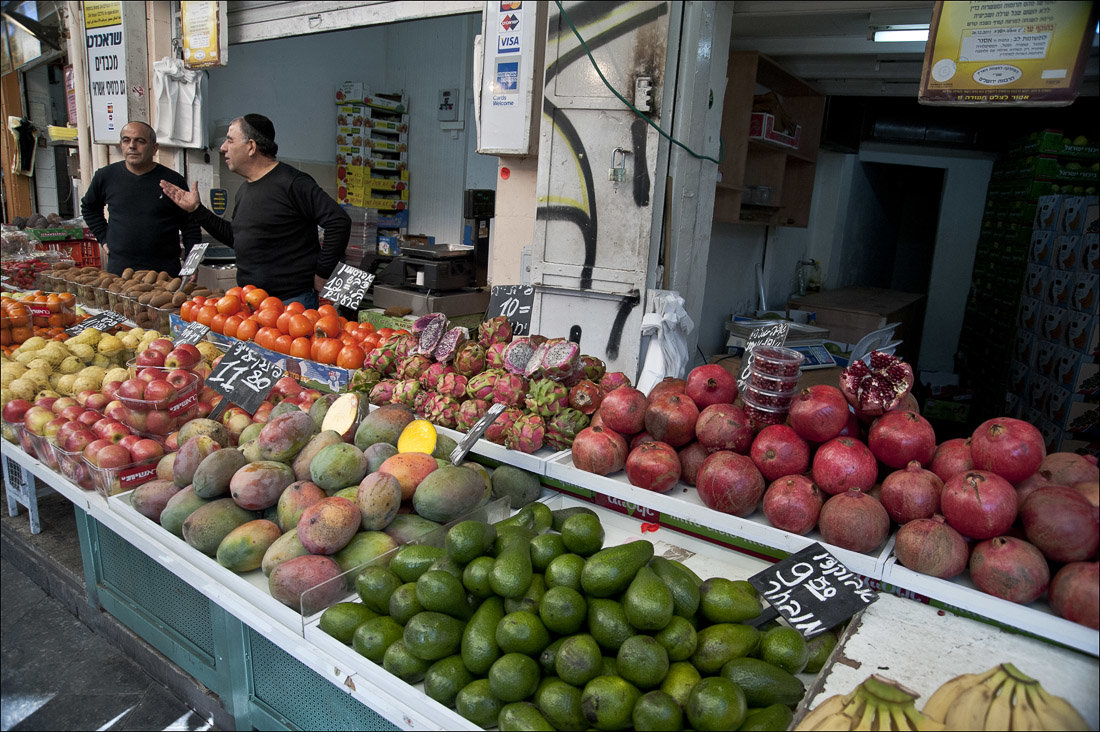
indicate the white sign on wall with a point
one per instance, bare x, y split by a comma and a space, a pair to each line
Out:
105, 47
507, 75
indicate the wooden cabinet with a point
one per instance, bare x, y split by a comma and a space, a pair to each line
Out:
747, 163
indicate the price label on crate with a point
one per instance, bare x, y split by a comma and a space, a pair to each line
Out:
347, 286
193, 333
38, 310
513, 302
813, 591
768, 335
100, 321
244, 377
194, 259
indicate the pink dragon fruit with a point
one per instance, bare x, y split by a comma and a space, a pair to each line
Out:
420, 403
594, 368
494, 355
494, 330
481, 386
585, 396
612, 381
563, 427
560, 358
429, 329
413, 366
405, 392
449, 344
431, 376
470, 359
502, 424
381, 360
527, 434
510, 390
537, 340
517, 354
469, 412
402, 344
546, 397
441, 410
452, 385
533, 369
382, 392
575, 377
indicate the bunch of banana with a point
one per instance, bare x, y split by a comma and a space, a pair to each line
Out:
876, 704
1001, 698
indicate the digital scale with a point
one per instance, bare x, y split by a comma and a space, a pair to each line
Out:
806, 339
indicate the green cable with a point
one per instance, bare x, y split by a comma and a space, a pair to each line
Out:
628, 104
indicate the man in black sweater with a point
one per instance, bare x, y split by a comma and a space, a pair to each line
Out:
145, 227
276, 213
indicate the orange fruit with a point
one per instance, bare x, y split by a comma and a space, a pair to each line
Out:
272, 302
283, 343
268, 317
283, 321
350, 357
327, 309
187, 311
328, 325
254, 297
228, 304
295, 307
300, 326
232, 323
247, 329
299, 348
206, 314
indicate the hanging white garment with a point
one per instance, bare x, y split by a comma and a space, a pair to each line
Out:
179, 91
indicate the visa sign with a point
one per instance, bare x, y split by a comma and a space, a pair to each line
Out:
508, 43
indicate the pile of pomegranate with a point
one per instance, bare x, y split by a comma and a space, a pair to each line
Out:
855, 460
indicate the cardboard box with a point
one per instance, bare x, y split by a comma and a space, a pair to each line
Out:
221, 277
396, 103
853, 312
350, 92
762, 127
460, 303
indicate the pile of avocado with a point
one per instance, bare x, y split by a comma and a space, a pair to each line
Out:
530, 623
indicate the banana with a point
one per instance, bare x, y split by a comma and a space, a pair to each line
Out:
1054, 711
866, 720
999, 715
883, 718
920, 721
969, 709
833, 705
833, 723
1024, 716
943, 699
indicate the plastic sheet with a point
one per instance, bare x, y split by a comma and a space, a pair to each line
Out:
669, 325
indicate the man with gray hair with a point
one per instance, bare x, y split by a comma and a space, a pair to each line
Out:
276, 213
145, 228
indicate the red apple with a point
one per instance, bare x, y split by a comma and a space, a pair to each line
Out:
97, 401
114, 456
46, 402
181, 378
35, 418
231, 412
78, 440
82, 397
163, 345
160, 393
132, 390
238, 422
150, 373
150, 357
89, 417
201, 371
66, 429
15, 409
146, 449
50, 429
63, 402
205, 408
137, 420
71, 412
119, 411
209, 395
183, 356
91, 450
110, 429
286, 386
110, 390
129, 440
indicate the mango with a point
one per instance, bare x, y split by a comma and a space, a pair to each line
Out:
449, 492
285, 547
189, 456
149, 499
296, 498
407, 526
283, 407
318, 442
349, 493
178, 508
283, 437
377, 454
327, 526
202, 426
364, 547
344, 414
251, 450
211, 478
410, 468
338, 466
243, 548
164, 467
250, 433
379, 499
383, 425
320, 407
289, 582
207, 525
257, 486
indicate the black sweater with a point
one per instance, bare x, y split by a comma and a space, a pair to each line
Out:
145, 227
274, 231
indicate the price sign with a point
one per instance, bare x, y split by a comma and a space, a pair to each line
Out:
41, 311
513, 302
101, 321
244, 377
193, 333
347, 286
768, 335
475, 433
194, 259
813, 590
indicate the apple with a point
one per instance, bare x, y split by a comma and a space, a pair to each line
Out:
62, 403
35, 418
181, 379
78, 440
89, 417
286, 386
71, 412
149, 373
91, 450
82, 397
66, 429
231, 412
162, 345
146, 449
110, 429
132, 390
158, 423
113, 456
160, 393
209, 395
205, 408
97, 401
110, 390
137, 420
201, 371
150, 357
119, 412
50, 429
15, 409
172, 443
238, 422
129, 440
46, 402
262, 411
183, 356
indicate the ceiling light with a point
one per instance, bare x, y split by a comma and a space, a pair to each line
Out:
900, 33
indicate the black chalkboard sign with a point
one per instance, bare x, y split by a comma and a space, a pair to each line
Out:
194, 259
193, 333
347, 286
513, 302
100, 321
244, 377
813, 590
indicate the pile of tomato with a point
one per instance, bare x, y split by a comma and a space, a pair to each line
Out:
248, 313
36, 314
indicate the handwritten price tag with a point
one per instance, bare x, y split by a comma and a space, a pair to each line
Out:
768, 335
347, 286
101, 321
513, 302
193, 334
194, 259
244, 377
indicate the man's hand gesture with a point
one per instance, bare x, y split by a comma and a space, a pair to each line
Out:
187, 200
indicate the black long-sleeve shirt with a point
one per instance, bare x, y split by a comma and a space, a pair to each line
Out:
274, 231
146, 227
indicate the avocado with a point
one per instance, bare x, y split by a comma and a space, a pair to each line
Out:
648, 601
610, 571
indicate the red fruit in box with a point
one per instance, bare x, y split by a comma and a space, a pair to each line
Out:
183, 356
150, 357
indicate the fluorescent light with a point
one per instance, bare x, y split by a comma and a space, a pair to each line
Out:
901, 33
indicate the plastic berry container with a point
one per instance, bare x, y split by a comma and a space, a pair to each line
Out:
776, 361
777, 384
112, 481
760, 415
770, 399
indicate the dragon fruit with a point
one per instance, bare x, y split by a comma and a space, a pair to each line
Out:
413, 366
405, 392
449, 344
470, 359
510, 390
441, 410
546, 397
559, 358
537, 340
533, 369
612, 381
363, 380
494, 330
517, 354
469, 412
382, 392
431, 376
481, 386
494, 355
563, 427
575, 377
403, 344
381, 360
594, 368
452, 385
420, 403
502, 424
429, 329
527, 434
585, 396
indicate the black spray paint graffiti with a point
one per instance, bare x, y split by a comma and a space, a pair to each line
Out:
584, 15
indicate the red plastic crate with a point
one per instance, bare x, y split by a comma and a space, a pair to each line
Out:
83, 252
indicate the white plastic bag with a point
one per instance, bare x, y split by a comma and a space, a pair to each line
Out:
179, 96
669, 325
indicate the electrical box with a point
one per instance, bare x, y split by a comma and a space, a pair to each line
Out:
448, 105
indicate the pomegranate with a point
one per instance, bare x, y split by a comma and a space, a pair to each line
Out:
899, 437
853, 428
1059, 522
792, 503
671, 418
724, 427
1067, 468
778, 451
623, 410
1090, 489
855, 521
978, 504
1074, 595
667, 385
951, 457
1030, 484
691, 458
711, 384
930, 546
599, 450
911, 493
907, 403
878, 387
819, 413
730, 483
640, 438
613, 380
1009, 568
843, 464
1011, 448
654, 466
